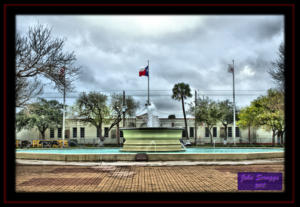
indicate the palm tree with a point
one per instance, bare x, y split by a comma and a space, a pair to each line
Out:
180, 92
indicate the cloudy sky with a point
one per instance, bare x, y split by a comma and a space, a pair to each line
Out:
194, 49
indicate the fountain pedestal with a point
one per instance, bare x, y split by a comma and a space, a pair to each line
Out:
152, 139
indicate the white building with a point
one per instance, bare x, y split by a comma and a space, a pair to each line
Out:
87, 134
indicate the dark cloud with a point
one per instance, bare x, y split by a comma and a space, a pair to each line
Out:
87, 76
191, 49
269, 28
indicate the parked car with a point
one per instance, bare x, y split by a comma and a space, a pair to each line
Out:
73, 142
54, 143
25, 143
45, 143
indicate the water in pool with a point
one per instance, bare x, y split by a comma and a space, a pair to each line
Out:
117, 150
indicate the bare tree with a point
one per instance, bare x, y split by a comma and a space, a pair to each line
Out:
277, 69
39, 54
27, 89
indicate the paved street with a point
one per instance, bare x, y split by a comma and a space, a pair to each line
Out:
109, 178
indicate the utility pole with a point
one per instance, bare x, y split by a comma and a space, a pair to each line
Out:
148, 102
195, 118
124, 108
233, 131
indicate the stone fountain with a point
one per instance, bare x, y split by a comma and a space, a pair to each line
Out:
152, 138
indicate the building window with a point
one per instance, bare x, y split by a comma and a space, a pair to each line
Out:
51, 133
113, 133
67, 133
81, 132
173, 124
237, 132
222, 132
106, 132
206, 132
121, 133
183, 133
191, 131
59, 133
215, 132
229, 131
131, 124
74, 132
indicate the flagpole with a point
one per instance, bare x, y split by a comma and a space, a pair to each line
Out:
233, 131
148, 83
64, 111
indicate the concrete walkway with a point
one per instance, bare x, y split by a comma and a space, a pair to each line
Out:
153, 163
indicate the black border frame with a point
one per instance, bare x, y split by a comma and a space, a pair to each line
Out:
9, 10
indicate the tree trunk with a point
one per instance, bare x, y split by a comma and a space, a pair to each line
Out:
279, 137
195, 135
226, 136
99, 128
210, 134
118, 134
185, 122
100, 133
273, 138
249, 135
42, 131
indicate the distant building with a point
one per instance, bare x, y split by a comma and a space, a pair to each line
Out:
87, 134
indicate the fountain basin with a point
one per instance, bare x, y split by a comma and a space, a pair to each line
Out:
152, 139
114, 154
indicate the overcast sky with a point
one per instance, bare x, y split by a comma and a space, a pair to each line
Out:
194, 49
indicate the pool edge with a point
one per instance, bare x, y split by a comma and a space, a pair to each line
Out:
151, 157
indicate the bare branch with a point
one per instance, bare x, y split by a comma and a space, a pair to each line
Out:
25, 90
38, 53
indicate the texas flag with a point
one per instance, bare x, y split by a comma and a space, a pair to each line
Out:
144, 72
